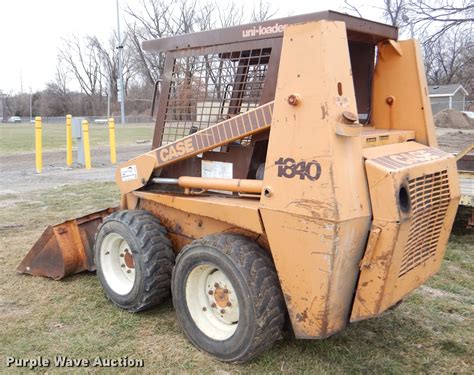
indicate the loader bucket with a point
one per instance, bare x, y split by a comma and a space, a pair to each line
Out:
65, 249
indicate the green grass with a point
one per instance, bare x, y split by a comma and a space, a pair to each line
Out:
431, 332
16, 138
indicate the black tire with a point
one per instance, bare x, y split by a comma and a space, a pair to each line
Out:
152, 255
251, 272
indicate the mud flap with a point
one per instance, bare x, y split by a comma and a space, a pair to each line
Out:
65, 249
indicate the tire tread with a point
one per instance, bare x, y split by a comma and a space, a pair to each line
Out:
257, 267
157, 254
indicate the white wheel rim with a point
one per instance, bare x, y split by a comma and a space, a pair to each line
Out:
212, 302
117, 263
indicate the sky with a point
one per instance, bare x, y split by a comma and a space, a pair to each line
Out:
32, 30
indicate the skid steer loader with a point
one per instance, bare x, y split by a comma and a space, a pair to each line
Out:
294, 174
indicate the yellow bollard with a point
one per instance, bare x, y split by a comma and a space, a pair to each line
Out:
39, 145
113, 151
87, 149
68, 140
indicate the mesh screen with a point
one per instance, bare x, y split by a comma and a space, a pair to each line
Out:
430, 198
208, 89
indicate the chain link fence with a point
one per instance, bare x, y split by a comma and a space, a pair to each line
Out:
129, 120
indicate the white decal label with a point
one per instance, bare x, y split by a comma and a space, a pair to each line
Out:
264, 30
129, 173
216, 169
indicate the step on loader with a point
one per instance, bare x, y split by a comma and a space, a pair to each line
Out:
294, 174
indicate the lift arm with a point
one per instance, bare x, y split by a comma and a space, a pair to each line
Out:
136, 172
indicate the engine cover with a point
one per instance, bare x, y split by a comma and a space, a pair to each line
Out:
414, 193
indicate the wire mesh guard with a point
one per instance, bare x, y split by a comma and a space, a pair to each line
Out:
208, 89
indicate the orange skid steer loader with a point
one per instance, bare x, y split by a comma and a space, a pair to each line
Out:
294, 173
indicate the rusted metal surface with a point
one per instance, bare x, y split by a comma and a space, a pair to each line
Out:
187, 222
65, 249
221, 297
232, 211
128, 259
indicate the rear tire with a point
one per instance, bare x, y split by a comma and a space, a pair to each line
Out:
134, 259
227, 297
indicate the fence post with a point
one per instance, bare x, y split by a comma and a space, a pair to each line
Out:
68, 140
39, 145
113, 152
87, 150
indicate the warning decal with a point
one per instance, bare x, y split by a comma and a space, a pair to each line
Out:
129, 173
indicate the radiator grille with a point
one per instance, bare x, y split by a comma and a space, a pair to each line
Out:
211, 88
429, 196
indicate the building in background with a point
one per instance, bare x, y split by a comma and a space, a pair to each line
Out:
448, 97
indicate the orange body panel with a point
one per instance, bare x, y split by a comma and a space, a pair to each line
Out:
400, 98
242, 213
190, 218
316, 227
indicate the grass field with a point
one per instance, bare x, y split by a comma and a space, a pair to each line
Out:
431, 332
21, 137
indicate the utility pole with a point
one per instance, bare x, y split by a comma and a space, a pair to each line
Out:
109, 86
121, 96
31, 108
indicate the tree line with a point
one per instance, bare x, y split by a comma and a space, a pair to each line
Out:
444, 27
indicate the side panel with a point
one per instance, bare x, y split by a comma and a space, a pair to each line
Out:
236, 212
414, 193
400, 98
316, 209
185, 226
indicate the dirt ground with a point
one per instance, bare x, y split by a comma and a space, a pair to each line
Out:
19, 174
454, 140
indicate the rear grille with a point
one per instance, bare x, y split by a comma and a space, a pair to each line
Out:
429, 196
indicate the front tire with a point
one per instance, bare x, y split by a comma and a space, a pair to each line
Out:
227, 297
134, 259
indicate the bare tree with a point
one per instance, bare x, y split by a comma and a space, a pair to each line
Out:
445, 29
352, 8
449, 57
56, 99
262, 11
233, 14
151, 21
395, 12
156, 19
82, 60
435, 17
